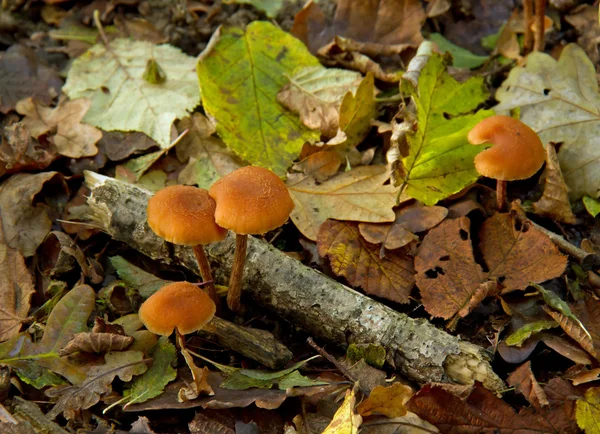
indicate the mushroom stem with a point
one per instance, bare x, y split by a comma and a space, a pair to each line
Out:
501, 194
179, 339
527, 18
206, 274
540, 13
234, 292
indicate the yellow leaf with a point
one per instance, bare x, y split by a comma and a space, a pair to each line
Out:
387, 401
345, 421
587, 411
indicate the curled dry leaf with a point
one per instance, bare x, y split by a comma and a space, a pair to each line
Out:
359, 262
200, 384
554, 202
409, 220
524, 382
19, 153
387, 401
96, 343
63, 123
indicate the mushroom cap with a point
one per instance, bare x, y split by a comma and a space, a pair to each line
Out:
180, 305
517, 151
185, 215
251, 200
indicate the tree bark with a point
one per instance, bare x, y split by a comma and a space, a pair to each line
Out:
322, 306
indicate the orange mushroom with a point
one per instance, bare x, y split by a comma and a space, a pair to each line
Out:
516, 153
250, 200
186, 215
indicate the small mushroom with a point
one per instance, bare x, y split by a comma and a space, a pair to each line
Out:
250, 200
186, 215
516, 153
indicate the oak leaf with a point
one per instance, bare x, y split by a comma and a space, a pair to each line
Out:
387, 401
391, 277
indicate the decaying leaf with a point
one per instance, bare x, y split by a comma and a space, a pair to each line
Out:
345, 420
16, 288
387, 401
316, 94
120, 97
96, 343
517, 254
587, 411
522, 334
554, 202
391, 277
409, 220
524, 382
19, 153
200, 384
71, 399
440, 159
322, 164
240, 76
25, 221
584, 18
63, 123
560, 101
358, 195
118, 145
448, 277
22, 76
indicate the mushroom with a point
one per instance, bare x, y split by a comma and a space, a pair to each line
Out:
186, 215
516, 153
250, 200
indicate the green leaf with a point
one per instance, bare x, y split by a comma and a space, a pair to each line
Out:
461, 57
240, 77
146, 283
559, 305
525, 332
296, 379
592, 205
35, 375
440, 160
373, 354
152, 382
68, 317
269, 7
113, 79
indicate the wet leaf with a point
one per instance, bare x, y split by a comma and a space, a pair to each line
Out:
461, 58
391, 277
440, 159
521, 335
96, 343
517, 254
387, 401
63, 124
316, 94
409, 220
524, 382
359, 195
16, 288
560, 101
121, 98
240, 77
25, 224
22, 76
588, 411
345, 420
448, 277
98, 382
554, 202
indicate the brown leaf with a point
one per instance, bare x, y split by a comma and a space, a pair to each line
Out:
383, 34
96, 343
22, 76
409, 220
71, 137
483, 412
566, 349
516, 254
119, 146
524, 382
447, 275
321, 165
200, 384
585, 376
19, 152
554, 202
16, 288
387, 401
584, 19
25, 224
359, 262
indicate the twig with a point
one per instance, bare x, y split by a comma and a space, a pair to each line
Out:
527, 18
540, 14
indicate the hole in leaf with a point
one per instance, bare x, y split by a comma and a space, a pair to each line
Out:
445, 258
547, 91
464, 235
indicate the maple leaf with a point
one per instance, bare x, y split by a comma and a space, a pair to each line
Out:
359, 262
560, 101
358, 195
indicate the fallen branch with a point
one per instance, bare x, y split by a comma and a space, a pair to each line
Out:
306, 298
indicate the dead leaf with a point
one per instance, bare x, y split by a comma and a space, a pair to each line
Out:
448, 277
16, 288
437, 7
24, 219
200, 384
588, 411
359, 195
410, 423
71, 399
19, 153
524, 382
409, 220
22, 76
585, 376
96, 343
554, 202
118, 146
566, 349
321, 165
359, 262
584, 18
383, 34
345, 421
517, 254
387, 401
63, 123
